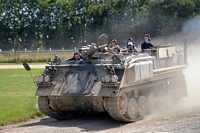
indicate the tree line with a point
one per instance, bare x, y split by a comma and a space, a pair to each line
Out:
60, 24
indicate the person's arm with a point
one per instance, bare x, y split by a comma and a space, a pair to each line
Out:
152, 46
134, 48
142, 47
109, 46
111, 50
124, 50
71, 58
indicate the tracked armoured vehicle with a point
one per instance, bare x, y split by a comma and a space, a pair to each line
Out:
128, 86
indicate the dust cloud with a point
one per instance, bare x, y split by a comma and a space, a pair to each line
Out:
190, 31
192, 75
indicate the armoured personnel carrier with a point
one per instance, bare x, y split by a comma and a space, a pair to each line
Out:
128, 85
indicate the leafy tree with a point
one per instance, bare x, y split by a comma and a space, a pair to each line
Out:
69, 23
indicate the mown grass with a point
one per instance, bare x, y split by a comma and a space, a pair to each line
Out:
30, 58
17, 95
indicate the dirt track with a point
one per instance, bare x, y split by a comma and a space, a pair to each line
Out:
178, 121
185, 116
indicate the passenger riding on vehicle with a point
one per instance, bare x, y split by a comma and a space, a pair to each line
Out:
130, 48
114, 47
76, 56
146, 44
130, 40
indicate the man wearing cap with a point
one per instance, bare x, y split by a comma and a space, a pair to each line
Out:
130, 40
130, 48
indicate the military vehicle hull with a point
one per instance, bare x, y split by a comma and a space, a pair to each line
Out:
127, 86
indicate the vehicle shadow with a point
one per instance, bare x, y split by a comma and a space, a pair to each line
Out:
87, 123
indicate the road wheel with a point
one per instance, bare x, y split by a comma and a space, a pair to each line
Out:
142, 106
122, 103
160, 102
170, 99
151, 100
132, 109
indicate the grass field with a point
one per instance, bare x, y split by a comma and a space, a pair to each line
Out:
31, 58
17, 95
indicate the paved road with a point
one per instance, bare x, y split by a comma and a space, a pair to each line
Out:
20, 66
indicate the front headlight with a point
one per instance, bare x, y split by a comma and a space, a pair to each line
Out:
110, 79
39, 79
114, 78
46, 78
43, 79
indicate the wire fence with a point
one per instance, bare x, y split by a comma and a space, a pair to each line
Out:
38, 51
